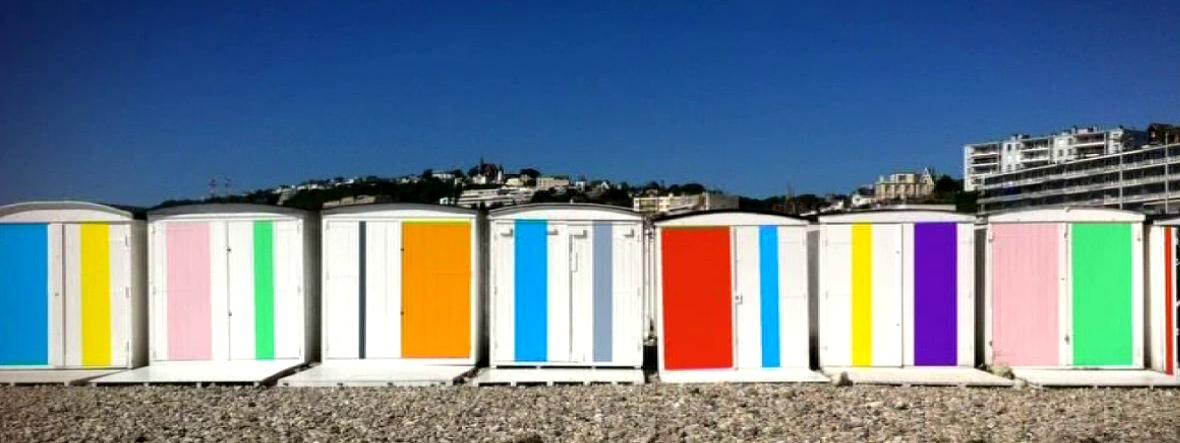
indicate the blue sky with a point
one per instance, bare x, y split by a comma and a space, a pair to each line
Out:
140, 102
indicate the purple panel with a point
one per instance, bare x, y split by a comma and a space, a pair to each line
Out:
935, 285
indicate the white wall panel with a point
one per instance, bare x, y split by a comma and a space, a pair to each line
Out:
288, 294
56, 296
241, 290
835, 308
627, 266
219, 310
887, 295
341, 332
72, 248
794, 324
383, 291
748, 296
120, 287
966, 295
559, 293
581, 292
907, 292
503, 291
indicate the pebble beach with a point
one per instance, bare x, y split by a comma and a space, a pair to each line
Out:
651, 413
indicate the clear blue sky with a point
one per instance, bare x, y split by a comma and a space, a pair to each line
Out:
140, 102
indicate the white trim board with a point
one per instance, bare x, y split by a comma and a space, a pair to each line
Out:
243, 371
1126, 378
782, 375
920, 376
553, 376
52, 376
376, 374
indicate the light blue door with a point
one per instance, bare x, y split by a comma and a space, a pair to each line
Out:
24, 295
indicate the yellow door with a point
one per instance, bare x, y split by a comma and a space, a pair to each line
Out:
436, 289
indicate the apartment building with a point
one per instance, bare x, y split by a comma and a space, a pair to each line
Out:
1144, 179
1023, 151
681, 204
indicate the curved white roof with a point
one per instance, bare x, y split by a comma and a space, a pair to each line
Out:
399, 211
565, 211
1174, 221
902, 216
731, 218
62, 212
214, 211
1068, 215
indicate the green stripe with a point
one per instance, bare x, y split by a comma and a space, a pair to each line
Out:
264, 290
1102, 295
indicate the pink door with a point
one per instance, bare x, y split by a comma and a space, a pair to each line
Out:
1024, 299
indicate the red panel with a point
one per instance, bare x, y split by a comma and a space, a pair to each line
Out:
698, 300
1169, 295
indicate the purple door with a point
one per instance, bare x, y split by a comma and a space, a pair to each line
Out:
935, 290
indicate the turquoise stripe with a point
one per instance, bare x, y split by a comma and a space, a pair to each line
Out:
532, 290
768, 264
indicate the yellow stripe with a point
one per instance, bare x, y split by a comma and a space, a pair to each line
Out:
96, 295
862, 295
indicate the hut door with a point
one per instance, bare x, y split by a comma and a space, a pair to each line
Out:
1103, 300
436, 289
189, 282
697, 298
1025, 266
26, 296
747, 284
264, 290
97, 288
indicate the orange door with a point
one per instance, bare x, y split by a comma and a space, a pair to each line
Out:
436, 289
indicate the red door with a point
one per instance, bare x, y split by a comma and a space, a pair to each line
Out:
698, 301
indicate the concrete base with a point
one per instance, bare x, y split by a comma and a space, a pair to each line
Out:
375, 373
66, 377
920, 376
784, 375
1095, 378
553, 376
204, 372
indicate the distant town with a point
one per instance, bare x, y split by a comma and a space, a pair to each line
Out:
1080, 166
488, 185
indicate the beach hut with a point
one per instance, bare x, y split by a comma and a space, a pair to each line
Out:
1164, 297
234, 294
72, 292
566, 293
1065, 290
401, 296
732, 298
896, 290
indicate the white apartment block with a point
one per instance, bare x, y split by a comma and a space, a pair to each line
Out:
1022, 151
1145, 179
489, 198
681, 204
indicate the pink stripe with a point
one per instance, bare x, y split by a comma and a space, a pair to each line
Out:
189, 327
1024, 304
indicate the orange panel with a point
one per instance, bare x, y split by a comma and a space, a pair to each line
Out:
436, 289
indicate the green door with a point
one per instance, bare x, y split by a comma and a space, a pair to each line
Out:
1102, 279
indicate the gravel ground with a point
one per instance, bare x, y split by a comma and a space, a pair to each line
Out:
596, 413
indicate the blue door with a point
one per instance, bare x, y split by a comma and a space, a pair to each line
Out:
24, 295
